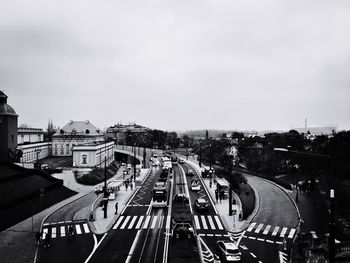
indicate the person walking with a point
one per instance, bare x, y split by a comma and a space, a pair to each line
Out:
220, 197
116, 208
216, 195
38, 238
70, 231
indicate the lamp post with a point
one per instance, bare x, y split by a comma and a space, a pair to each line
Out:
230, 187
331, 241
210, 165
105, 192
134, 162
144, 155
200, 153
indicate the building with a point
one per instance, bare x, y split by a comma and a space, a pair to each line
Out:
93, 154
316, 130
72, 134
34, 151
119, 132
8, 129
29, 135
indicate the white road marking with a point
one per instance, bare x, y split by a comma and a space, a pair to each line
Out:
86, 228
154, 222
132, 222
125, 222
118, 222
291, 233
269, 241
78, 230
168, 220
139, 222
257, 230
283, 232
204, 223
252, 255
274, 233
252, 238
278, 242
63, 231
250, 228
261, 239
243, 247
146, 222
218, 223
53, 232
267, 229
196, 221
211, 222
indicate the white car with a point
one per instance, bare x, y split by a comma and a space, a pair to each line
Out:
129, 167
228, 251
195, 186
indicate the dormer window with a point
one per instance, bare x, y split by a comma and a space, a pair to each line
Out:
61, 131
87, 131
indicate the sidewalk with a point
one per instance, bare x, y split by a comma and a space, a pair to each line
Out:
101, 225
231, 223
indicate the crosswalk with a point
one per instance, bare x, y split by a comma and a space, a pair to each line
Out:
275, 231
60, 229
203, 222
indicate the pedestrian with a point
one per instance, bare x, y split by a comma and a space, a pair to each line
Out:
216, 195
116, 208
131, 186
210, 183
47, 239
219, 196
38, 237
126, 185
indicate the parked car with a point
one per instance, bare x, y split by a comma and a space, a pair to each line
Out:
228, 251
181, 161
125, 172
202, 204
129, 167
190, 172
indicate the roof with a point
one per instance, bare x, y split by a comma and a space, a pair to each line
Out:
5, 109
78, 128
30, 130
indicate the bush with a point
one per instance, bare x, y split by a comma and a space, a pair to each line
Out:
247, 196
96, 175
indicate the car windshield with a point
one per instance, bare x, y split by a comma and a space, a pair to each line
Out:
233, 251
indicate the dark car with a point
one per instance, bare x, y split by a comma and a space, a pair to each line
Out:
202, 204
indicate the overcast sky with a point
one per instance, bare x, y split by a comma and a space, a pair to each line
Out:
177, 65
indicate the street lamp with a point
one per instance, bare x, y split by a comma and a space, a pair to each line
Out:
105, 191
230, 186
134, 162
331, 242
200, 153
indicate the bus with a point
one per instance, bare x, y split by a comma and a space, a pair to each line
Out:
160, 193
166, 163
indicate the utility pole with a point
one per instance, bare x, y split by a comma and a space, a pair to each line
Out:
105, 194
331, 229
144, 156
230, 187
200, 153
134, 162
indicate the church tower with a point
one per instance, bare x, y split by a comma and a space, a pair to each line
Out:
8, 129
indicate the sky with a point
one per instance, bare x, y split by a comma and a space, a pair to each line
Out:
177, 65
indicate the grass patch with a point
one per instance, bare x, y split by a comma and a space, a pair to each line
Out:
96, 175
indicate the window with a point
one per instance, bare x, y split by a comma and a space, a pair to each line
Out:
84, 157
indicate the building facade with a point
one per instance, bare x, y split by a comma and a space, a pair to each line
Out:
35, 151
93, 154
72, 134
120, 132
8, 129
29, 135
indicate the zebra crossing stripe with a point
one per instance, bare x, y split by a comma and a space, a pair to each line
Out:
132, 222
118, 222
274, 233
283, 232
78, 230
196, 221
146, 222
139, 222
153, 225
250, 228
63, 231
267, 229
257, 230
125, 222
291, 233
218, 223
205, 226
53, 232
86, 228
211, 222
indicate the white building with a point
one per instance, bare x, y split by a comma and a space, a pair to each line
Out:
72, 134
29, 135
93, 154
34, 151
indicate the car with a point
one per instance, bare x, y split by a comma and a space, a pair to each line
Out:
123, 164
125, 172
155, 155
190, 172
202, 204
228, 251
182, 161
195, 185
129, 167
